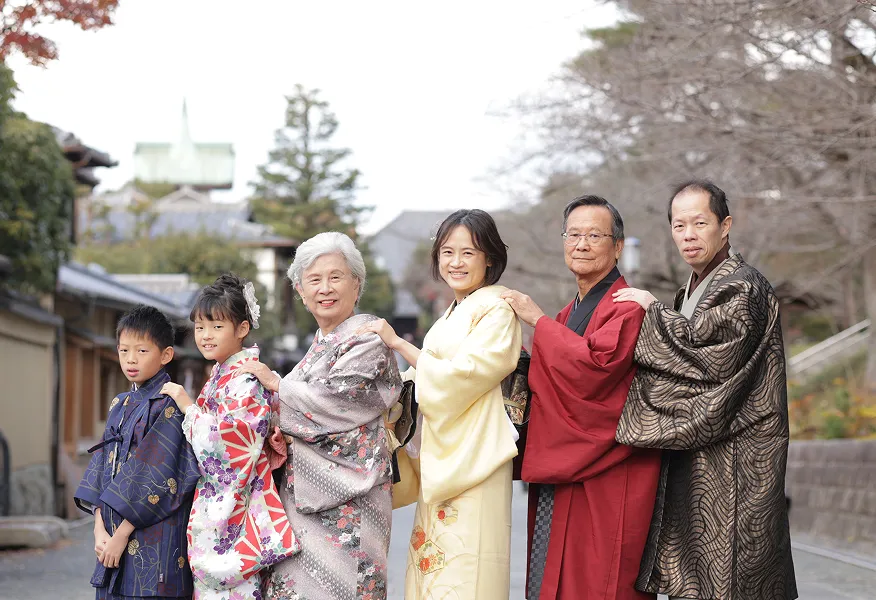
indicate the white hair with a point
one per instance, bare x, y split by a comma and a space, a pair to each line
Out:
330, 242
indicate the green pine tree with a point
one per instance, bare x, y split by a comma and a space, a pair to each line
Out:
306, 188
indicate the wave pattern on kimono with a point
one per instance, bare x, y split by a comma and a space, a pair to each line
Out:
338, 490
712, 391
238, 524
145, 472
461, 542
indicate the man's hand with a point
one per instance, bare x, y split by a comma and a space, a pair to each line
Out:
269, 380
527, 310
179, 395
643, 298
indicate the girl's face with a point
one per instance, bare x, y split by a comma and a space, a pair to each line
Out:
462, 266
219, 339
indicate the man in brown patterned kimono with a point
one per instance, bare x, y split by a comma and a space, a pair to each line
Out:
711, 392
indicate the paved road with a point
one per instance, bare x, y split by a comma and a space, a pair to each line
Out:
63, 572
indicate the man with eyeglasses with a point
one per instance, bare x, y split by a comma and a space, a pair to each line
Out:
590, 498
711, 391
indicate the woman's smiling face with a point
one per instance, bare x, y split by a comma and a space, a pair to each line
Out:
461, 264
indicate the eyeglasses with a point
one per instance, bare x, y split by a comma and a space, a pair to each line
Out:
592, 239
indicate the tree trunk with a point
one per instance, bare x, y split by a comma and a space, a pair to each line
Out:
870, 301
851, 307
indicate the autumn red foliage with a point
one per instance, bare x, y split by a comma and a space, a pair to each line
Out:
19, 20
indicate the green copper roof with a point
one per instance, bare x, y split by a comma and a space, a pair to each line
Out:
185, 162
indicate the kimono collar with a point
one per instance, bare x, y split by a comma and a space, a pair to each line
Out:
150, 389
225, 366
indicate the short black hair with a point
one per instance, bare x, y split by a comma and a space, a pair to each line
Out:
617, 222
717, 197
222, 300
148, 322
485, 236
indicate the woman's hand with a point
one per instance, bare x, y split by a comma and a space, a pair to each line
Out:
643, 298
269, 380
526, 310
179, 395
384, 330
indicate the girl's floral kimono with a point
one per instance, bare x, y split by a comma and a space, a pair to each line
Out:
238, 525
338, 480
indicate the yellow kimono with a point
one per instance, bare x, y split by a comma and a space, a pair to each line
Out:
461, 541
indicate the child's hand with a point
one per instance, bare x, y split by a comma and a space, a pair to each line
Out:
116, 546
101, 539
178, 393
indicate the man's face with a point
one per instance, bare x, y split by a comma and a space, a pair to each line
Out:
585, 258
696, 230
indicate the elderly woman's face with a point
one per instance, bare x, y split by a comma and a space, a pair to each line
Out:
329, 291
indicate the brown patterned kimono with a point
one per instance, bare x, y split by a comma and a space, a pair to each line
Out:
711, 390
337, 486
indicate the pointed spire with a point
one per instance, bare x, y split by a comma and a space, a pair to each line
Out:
185, 138
183, 151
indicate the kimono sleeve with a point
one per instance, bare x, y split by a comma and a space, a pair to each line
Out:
161, 475
358, 388
228, 445
87, 496
695, 375
487, 355
579, 386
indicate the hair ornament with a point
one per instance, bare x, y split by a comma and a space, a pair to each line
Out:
252, 304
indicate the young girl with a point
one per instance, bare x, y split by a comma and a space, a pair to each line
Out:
238, 525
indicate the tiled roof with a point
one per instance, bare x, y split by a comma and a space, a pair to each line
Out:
93, 282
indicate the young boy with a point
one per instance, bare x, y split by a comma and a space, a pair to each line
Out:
142, 475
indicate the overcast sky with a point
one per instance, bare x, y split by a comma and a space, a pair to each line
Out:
413, 85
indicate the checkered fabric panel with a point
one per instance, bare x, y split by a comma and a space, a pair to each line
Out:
541, 537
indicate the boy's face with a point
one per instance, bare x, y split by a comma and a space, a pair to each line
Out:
140, 357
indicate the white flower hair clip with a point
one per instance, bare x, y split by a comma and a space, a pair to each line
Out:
252, 304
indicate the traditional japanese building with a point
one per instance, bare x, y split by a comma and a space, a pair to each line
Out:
184, 162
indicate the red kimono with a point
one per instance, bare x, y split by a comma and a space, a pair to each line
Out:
603, 492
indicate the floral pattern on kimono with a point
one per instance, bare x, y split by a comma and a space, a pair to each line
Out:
238, 524
338, 490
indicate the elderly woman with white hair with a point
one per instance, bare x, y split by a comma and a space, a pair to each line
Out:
337, 486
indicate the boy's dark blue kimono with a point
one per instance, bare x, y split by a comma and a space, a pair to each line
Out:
144, 471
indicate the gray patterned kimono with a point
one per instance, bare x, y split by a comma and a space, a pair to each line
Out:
337, 486
711, 390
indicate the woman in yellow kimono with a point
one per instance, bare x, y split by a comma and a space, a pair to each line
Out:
458, 467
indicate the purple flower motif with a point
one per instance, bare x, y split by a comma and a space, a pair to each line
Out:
257, 484
233, 530
262, 428
212, 404
228, 419
223, 546
269, 557
213, 428
257, 595
208, 491
212, 465
265, 540
226, 477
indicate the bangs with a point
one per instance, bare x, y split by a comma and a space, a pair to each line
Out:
211, 308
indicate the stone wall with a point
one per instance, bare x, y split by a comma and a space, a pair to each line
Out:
832, 486
32, 492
